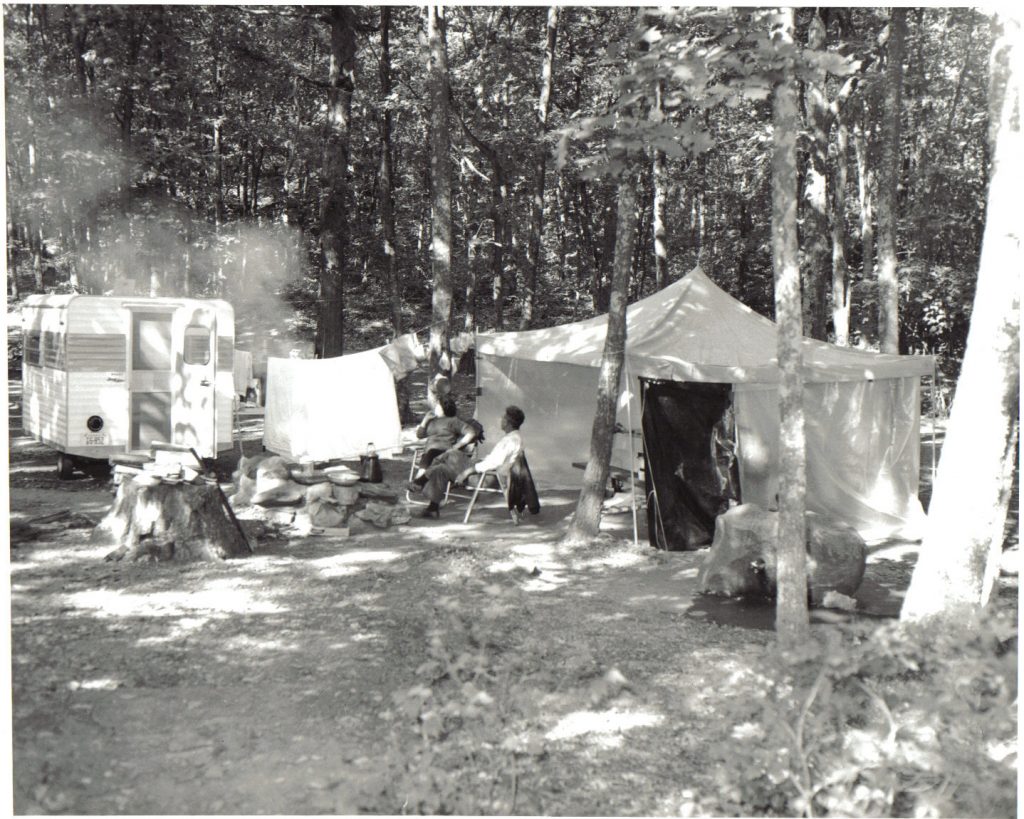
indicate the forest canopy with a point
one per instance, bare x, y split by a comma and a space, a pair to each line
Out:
261, 153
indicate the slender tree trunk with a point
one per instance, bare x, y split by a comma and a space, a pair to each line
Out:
959, 557
586, 520
659, 183
791, 618
334, 214
499, 192
472, 280
441, 186
387, 204
218, 146
888, 275
866, 199
840, 270
534, 248
562, 205
12, 252
815, 219
187, 283
78, 35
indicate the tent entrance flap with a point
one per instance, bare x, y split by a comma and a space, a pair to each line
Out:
691, 475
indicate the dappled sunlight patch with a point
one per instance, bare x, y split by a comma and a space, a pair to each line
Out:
606, 728
247, 643
101, 684
220, 598
183, 627
546, 581
63, 554
349, 563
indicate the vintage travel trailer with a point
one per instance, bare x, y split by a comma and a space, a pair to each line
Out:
108, 375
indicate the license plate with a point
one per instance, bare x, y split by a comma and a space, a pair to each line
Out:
95, 439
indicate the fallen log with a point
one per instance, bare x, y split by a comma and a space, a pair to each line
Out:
168, 521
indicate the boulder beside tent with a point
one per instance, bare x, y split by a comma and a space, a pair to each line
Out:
699, 408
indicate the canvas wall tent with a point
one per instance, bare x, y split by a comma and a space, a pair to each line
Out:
700, 378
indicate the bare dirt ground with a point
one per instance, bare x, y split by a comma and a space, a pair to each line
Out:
282, 682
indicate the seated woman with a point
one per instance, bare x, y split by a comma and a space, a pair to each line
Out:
454, 465
444, 431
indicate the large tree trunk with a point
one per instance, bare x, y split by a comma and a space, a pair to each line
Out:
534, 249
387, 204
791, 618
180, 522
815, 222
441, 185
888, 179
959, 556
586, 520
335, 215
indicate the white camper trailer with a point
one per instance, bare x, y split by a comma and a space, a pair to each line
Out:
108, 375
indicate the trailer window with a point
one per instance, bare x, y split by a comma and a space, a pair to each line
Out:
52, 350
151, 341
33, 347
197, 344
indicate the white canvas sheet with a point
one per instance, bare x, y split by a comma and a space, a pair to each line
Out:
331, 408
403, 355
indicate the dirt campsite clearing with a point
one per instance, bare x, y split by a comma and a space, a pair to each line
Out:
310, 676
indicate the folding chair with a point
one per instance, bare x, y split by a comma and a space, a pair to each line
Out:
417, 454
502, 488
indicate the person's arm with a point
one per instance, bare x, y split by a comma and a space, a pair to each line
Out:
421, 430
468, 436
497, 457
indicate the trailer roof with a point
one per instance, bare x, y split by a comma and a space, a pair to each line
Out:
60, 300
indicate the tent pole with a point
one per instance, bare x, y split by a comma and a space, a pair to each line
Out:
632, 471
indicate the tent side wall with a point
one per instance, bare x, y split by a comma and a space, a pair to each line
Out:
559, 401
863, 451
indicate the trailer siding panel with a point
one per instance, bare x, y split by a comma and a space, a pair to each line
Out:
225, 389
102, 352
94, 394
44, 407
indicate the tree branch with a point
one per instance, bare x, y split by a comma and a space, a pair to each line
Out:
286, 66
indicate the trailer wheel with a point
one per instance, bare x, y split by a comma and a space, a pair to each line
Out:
65, 466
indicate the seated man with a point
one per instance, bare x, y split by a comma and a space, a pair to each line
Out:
454, 466
444, 431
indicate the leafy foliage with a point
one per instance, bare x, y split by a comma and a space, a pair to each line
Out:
454, 749
878, 722
142, 142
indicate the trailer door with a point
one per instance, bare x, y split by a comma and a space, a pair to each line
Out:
151, 376
195, 407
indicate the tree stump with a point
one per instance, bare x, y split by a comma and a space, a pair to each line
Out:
168, 521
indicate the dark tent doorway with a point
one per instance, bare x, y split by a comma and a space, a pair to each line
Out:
690, 446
